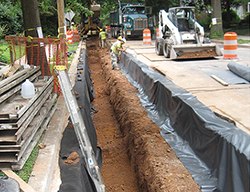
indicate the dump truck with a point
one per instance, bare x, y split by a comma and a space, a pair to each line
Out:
129, 20
182, 37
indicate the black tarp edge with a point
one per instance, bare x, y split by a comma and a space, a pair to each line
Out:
216, 153
75, 177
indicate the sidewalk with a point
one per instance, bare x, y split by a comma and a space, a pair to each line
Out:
46, 173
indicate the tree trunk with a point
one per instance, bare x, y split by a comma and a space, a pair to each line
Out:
216, 29
166, 5
31, 19
228, 18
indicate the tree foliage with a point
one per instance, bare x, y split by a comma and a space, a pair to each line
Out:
48, 17
11, 21
11, 15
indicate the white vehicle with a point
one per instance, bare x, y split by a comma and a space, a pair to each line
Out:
180, 33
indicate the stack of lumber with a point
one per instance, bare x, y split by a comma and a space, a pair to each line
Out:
22, 120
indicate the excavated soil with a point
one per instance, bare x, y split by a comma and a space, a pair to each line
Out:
199, 54
135, 156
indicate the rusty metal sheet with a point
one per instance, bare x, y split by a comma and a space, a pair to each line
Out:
11, 92
26, 73
16, 106
20, 152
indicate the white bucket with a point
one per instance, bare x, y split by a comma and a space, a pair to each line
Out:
28, 89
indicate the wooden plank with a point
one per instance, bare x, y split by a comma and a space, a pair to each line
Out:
23, 185
19, 80
14, 68
34, 39
219, 80
9, 110
12, 78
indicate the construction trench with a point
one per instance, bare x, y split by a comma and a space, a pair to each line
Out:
131, 149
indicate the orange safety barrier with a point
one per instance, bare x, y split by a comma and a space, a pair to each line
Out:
109, 29
146, 36
70, 37
230, 45
76, 36
157, 32
42, 52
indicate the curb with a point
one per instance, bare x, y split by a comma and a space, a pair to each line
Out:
46, 172
238, 45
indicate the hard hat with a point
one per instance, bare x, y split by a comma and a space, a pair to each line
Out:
72, 23
100, 29
120, 37
124, 40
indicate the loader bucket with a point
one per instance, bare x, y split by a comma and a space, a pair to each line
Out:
194, 51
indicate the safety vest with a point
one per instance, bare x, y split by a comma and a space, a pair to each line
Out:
115, 46
103, 35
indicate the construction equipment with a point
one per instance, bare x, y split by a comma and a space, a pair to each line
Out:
92, 24
182, 37
129, 19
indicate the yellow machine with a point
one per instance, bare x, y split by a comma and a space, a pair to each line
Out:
92, 24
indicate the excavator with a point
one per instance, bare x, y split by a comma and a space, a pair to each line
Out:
182, 37
92, 23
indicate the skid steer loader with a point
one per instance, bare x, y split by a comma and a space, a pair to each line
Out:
182, 37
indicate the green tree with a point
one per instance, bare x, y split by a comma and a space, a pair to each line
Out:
11, 21
227, 5
48, 17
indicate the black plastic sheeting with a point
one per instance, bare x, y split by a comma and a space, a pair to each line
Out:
216, 153
75, 177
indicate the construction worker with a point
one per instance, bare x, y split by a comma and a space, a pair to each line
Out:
102, 37
114, 51
73, 27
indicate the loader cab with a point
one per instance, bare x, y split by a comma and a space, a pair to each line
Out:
183, 18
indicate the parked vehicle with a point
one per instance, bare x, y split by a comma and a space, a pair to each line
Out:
129, 20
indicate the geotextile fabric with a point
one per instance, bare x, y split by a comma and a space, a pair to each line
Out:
216, 153
75, 176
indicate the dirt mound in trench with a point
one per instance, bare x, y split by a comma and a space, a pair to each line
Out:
155, 165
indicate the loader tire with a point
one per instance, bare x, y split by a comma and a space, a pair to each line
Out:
166, 48
159, 46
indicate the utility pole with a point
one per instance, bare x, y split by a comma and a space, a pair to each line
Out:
61, 29
32, 27
61, 19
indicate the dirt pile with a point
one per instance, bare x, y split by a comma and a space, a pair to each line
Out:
73, 158
154, 165
199, 54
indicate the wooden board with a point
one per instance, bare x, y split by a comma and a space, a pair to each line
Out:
23, 185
